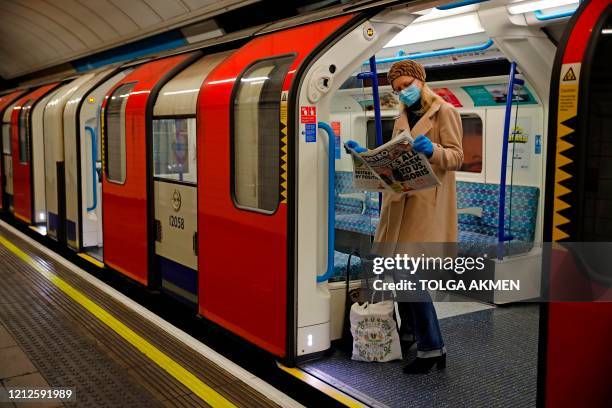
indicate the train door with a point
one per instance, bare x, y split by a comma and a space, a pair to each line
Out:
38, 160
175, 181
88, 169
81, 162
20, 140
53, 126
127, 120
7, 159
5, 102
25, 144
578, 208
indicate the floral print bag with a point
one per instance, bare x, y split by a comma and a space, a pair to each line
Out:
374, 330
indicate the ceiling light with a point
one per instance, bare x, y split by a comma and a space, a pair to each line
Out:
526, 7
437, 29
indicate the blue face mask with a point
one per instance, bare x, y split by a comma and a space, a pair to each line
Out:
410, 95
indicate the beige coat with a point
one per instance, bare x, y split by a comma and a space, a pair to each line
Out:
428, 215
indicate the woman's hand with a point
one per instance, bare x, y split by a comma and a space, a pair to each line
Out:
355, 146
422, 144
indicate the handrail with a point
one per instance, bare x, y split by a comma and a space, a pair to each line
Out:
331, 201
373, 74
94, 179
540, 16
501, 233
459, 4
440, 53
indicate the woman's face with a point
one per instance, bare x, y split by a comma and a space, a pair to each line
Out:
404, 82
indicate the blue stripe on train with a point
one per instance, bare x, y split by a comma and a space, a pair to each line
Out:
53, 221
181, 276
70, 231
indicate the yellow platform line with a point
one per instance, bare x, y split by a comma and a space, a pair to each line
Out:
91, 259
197, 386
322, 386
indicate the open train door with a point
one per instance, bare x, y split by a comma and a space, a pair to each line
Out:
577, 334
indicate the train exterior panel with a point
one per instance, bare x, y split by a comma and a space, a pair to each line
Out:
247, 293
22, 152
125, 182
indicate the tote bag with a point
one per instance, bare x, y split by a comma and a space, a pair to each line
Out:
375, 336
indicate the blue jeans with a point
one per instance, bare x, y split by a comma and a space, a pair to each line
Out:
419, 319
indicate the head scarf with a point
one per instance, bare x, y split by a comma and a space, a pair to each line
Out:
406, 68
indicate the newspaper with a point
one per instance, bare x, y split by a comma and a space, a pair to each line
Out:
394, 166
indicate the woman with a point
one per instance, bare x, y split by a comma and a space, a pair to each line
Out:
426, 216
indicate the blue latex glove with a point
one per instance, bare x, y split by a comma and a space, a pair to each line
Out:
355, 146
422, 144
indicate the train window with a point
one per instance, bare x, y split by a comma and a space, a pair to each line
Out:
472, 143
256, 134
24, 132
6, 138
174, 149
387, 131
115, 133
472, 139
597, 177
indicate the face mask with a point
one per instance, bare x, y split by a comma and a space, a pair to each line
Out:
410, 95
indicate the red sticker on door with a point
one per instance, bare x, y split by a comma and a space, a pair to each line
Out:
308, 114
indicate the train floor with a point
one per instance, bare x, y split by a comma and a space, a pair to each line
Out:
491, 361
60, 327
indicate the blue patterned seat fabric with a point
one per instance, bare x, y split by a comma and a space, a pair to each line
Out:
359, 215
340, 262
477, 235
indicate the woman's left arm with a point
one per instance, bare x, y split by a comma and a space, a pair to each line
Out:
448, 154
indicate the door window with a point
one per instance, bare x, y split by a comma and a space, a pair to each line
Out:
256, 134
174, 149
115, 133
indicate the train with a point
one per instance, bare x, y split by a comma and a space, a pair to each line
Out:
203, 172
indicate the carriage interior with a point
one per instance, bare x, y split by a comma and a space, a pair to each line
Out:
470, 71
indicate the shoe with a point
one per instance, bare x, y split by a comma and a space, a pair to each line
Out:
424, 365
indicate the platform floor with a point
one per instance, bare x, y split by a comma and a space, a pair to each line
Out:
59, 328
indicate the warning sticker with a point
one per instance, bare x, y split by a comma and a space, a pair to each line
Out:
568, 91
570, 73
308, 114
283, 107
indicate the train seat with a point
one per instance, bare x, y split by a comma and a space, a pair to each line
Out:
478, 234
357, 212
340, 263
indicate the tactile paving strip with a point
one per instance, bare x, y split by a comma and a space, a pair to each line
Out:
134, 364
63, 356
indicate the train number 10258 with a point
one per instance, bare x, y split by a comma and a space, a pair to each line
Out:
177, 222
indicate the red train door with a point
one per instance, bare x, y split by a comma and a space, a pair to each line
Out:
242, 185
126, 185
5, 102
577, 335
21, 141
